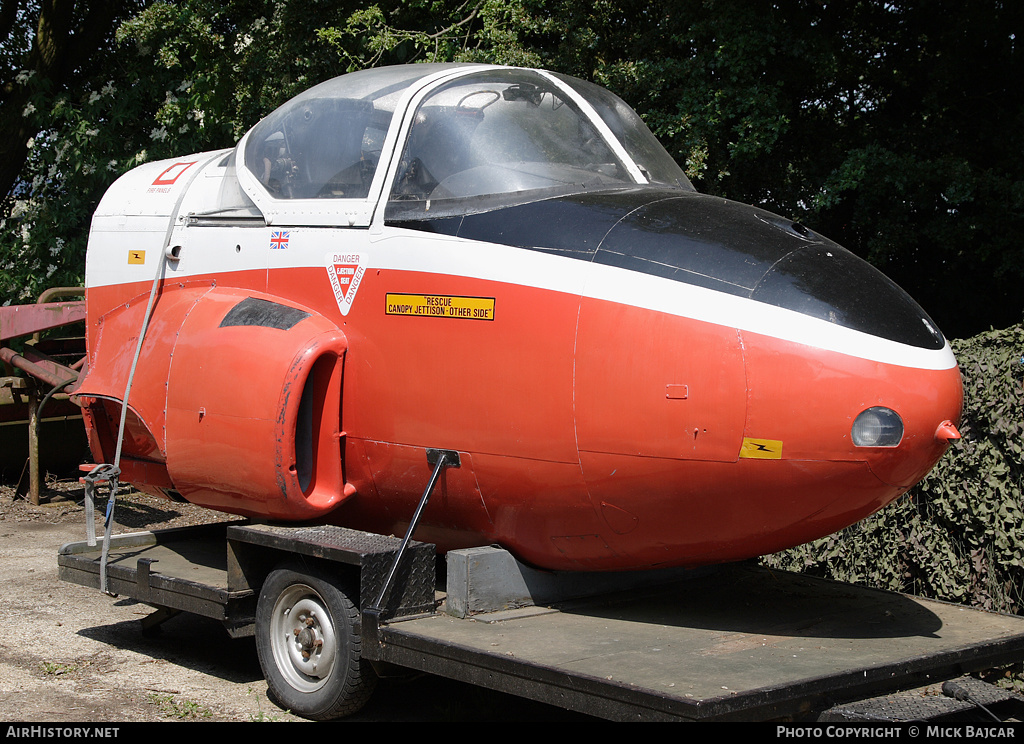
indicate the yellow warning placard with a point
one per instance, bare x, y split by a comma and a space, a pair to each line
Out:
761, 449
136, 257
440, 306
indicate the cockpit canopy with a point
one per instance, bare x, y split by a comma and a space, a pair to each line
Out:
474, 137
327, 141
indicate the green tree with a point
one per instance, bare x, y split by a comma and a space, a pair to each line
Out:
156, 80
892, 127
929, 180
50, 73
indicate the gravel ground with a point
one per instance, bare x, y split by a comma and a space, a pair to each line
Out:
71, 654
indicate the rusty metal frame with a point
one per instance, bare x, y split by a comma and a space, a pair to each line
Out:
17, 321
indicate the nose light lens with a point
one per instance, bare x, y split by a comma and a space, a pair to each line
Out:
877, 427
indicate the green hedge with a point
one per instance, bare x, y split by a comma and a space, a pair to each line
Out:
959, 535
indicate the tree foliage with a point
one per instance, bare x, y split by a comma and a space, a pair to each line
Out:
892, 127
53, 89
158, 80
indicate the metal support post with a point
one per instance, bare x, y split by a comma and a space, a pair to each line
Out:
32, 390
440, 459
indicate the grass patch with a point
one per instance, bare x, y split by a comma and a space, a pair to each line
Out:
185, 709
56, 668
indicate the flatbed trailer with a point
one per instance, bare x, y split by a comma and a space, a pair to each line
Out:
729, 643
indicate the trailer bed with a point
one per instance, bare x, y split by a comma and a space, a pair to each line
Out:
736, 642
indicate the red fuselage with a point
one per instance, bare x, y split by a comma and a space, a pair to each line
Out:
633, 377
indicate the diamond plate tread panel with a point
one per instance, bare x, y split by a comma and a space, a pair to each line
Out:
327, 536
412, 590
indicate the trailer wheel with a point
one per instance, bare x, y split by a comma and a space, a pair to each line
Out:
308, 643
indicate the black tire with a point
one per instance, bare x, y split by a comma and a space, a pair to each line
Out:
308, 643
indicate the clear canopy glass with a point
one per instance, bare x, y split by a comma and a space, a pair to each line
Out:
326, 142
489, 137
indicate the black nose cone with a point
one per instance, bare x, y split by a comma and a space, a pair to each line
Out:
748, 252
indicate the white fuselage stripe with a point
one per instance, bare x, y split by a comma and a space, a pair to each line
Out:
408, 250
557, 273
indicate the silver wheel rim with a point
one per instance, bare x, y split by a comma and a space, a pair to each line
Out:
303, 638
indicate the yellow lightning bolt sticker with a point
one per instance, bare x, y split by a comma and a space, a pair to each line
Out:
761, 449
136, 257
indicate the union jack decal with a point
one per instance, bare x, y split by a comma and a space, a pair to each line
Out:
279, 239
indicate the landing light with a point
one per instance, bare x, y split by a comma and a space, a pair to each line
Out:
877, 427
